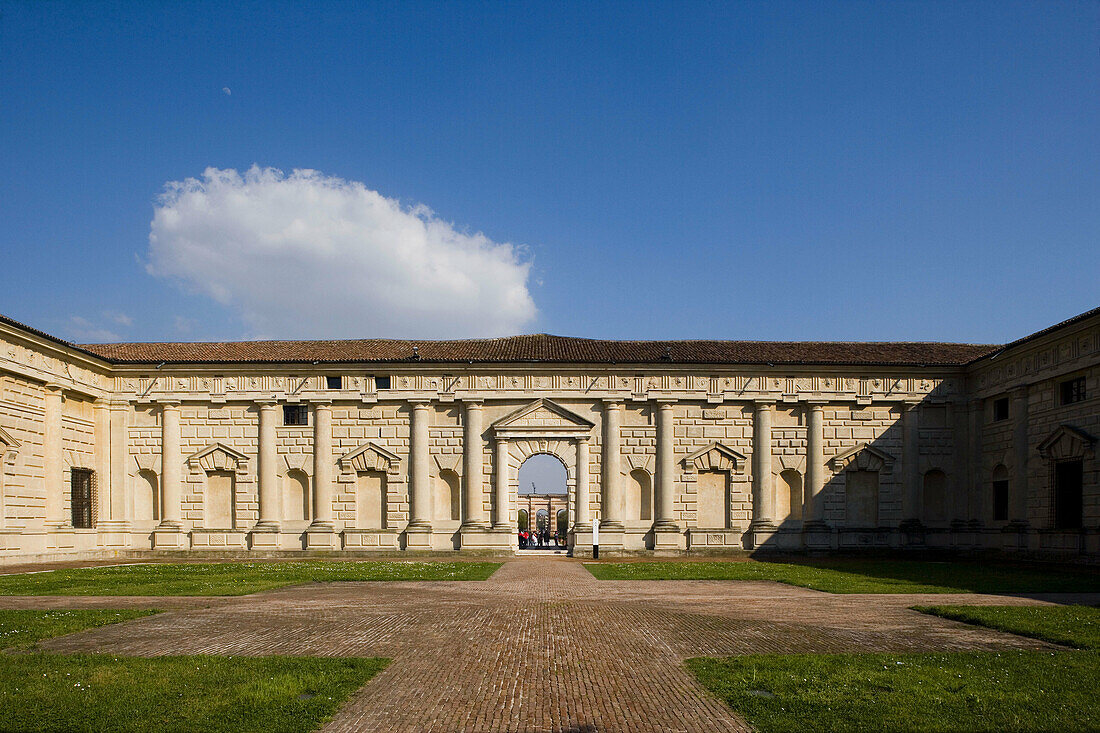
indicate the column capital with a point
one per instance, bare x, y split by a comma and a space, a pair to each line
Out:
323, 403
1021, 392
53, 387
118, 404
419, 403
816, 404
166, 404
475, 402
764, 401
666, 403
610, 403
908, 404
266, 402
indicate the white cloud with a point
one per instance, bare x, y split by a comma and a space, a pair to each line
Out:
82, 331
227, 91
312, 256
118, 317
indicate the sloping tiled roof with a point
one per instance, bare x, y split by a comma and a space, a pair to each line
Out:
547, 348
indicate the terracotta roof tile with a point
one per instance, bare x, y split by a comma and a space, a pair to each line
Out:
547, 348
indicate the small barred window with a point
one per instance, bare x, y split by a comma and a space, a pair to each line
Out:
295, 415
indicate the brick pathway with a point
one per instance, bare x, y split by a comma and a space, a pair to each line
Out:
578, 655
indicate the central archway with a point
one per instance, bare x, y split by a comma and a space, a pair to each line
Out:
542, 498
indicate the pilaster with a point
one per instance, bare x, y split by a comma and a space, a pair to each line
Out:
53, 459
665, 523
169, 533
473, 468
762, 527
611, 503
418, 533
321, 533
266, 530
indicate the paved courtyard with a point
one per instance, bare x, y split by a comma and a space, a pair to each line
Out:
540, 646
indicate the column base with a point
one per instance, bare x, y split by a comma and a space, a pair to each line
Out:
667, 536
816, 535
1014, 536
761, 534
169, 537
611, 537
321, 535
114, 533
912, 533
265, 535
482, 537
418, 536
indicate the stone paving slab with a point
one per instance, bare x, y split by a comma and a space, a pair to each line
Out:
540, 646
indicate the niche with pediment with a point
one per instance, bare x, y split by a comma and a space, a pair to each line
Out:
862, 467
9, 451
722, 499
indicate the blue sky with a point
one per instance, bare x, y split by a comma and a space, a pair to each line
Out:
856, 171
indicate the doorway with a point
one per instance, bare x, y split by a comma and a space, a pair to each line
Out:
543, 498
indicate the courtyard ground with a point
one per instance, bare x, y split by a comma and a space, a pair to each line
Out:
543, 645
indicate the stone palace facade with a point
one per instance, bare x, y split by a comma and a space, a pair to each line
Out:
380, 445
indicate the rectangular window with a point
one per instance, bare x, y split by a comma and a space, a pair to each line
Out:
80, 484
332, 382
1072, 390
295, 415
1000, 501
1000, 409
381, 382
1068, 505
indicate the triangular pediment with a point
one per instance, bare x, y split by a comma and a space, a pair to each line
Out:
9, 446
542, 417
6, 441
863, 457
1066, 443
716, 457
218, 457
369, 457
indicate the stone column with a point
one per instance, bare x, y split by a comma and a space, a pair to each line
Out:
473, 467
322, 475
611, 489
959, 485
101, 459
1019, 454
268, 469
911, 495
420, 489
975, 477
665, 520
500, 497
763, 493
121, 501
54, 463
815, 464
171, 469
582, 515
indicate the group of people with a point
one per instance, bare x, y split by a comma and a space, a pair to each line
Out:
539, 538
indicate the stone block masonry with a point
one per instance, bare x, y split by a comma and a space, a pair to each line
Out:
668, 446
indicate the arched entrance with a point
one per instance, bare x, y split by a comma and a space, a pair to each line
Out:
541, 428
542, 498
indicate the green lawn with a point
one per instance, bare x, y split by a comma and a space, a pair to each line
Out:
972, 691
228, 579
866, 576
45, 692
1075, 626
22, 629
